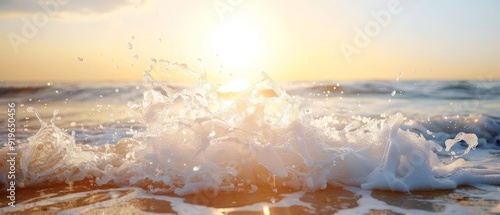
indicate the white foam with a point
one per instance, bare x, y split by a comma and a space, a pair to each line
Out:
195, 141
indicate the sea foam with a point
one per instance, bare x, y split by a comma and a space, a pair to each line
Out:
196, 141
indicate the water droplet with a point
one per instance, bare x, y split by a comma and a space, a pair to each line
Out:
79, 59
57, 91
160, 41
212, 134
393, 93
48, 83
130, 46
132, 37
117, 90
136, 57
73, 124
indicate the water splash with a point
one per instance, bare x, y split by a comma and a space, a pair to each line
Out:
194, 141
470, 139
51, 155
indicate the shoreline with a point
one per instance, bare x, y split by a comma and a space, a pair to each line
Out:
88, 199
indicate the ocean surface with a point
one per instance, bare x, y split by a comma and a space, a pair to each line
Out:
347, 147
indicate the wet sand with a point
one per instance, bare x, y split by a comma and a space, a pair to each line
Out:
86, 198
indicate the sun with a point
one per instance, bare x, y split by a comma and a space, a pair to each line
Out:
236, 43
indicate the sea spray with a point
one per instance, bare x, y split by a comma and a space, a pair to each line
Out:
194, 141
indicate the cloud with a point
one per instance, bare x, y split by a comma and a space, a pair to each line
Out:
23, 7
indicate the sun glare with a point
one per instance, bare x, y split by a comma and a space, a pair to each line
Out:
236, 43
265, 210
236, 85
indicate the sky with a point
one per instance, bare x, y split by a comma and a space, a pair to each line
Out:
116, 40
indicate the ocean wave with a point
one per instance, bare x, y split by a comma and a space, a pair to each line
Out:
13, 91
194, 141
438, 90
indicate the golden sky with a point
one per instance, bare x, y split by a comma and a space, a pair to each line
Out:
73, 40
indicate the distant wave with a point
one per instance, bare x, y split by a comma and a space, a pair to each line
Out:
21, 90
408, 89
404, 89
366, 88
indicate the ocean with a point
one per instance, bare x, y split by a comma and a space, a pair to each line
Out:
301, 147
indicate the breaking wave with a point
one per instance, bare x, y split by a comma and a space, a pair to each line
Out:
193, 140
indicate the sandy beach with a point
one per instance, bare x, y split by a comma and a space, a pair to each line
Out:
86, 199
